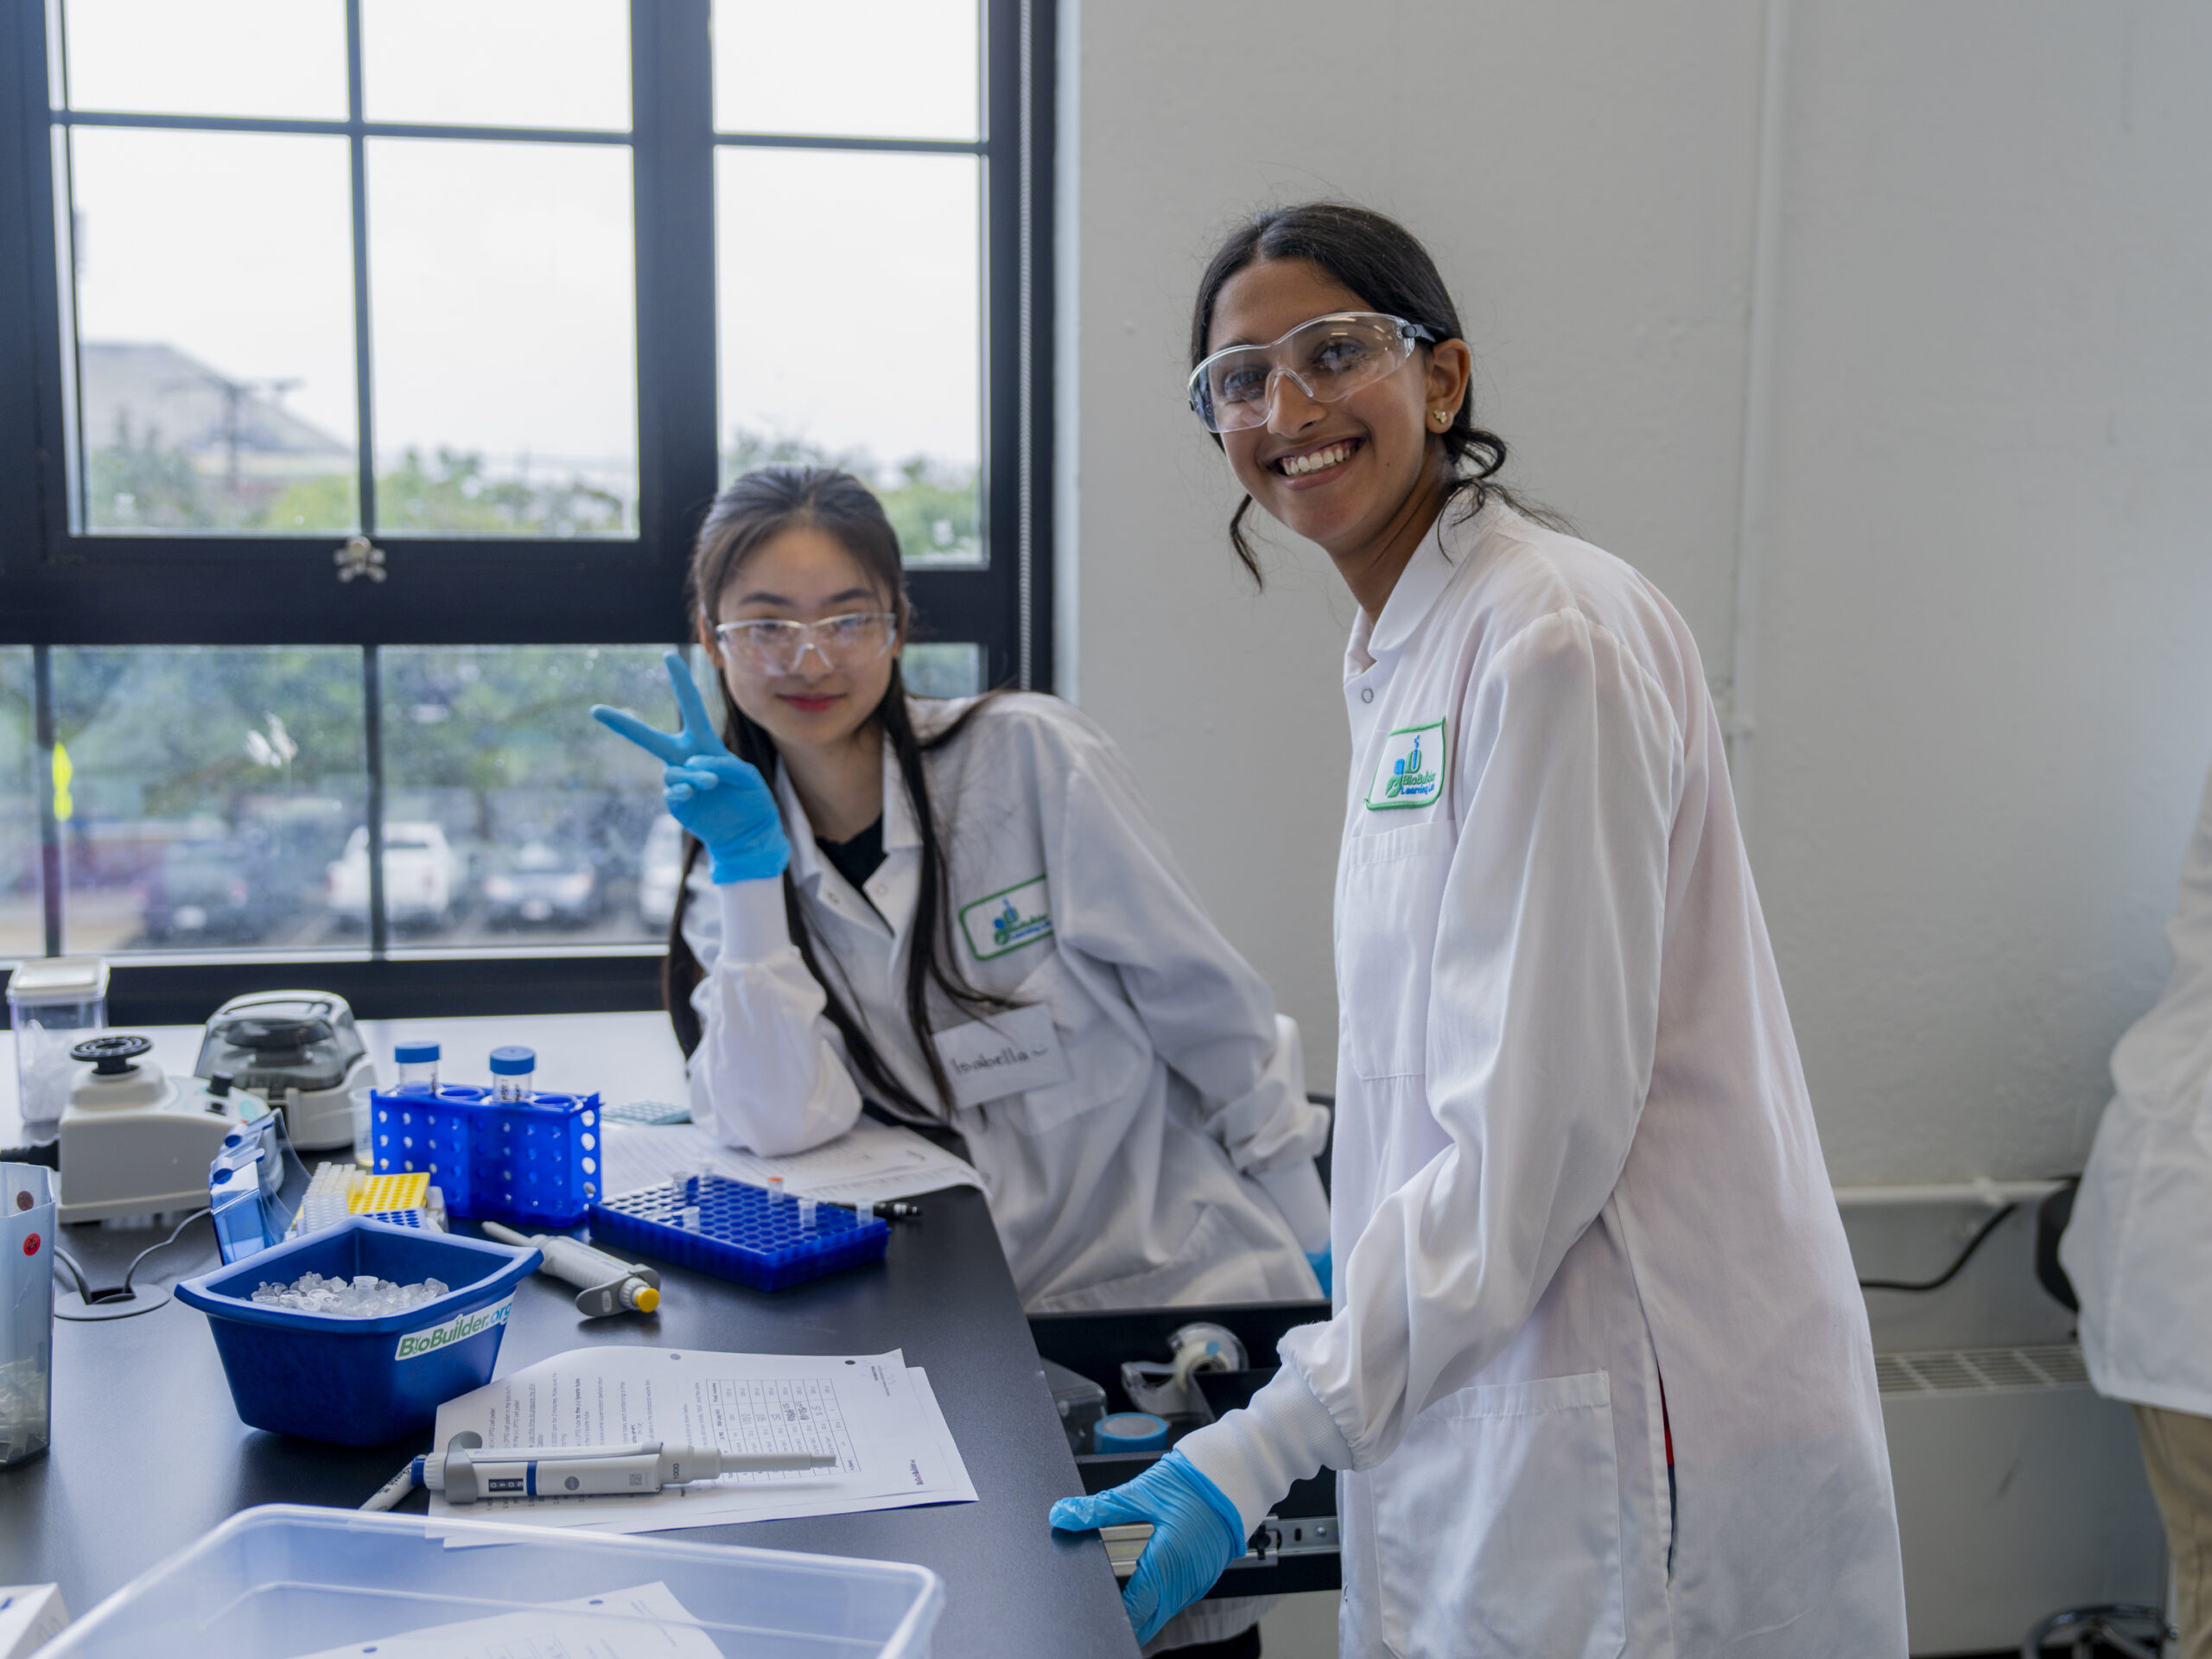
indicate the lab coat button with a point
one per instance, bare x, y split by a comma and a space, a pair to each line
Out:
1367, 693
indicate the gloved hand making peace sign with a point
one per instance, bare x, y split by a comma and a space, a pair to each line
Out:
712, 793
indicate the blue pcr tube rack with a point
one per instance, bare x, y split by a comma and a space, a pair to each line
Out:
745, 1233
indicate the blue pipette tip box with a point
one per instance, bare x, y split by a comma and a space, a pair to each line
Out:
745, 1233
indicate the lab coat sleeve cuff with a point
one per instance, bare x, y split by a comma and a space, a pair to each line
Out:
1296, 1190
1255, 1455
754, 925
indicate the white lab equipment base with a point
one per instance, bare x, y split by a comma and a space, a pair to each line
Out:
282, 1579
135, 1143
2020, 1491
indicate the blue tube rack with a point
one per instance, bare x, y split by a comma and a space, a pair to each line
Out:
527, 1162
745, 1233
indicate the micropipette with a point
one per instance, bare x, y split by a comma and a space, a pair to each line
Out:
605, 1284
465, 1472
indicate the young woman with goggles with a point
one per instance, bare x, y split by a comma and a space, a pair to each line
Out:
1599, 1380
889, 883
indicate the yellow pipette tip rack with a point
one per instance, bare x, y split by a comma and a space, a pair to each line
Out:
377, 1195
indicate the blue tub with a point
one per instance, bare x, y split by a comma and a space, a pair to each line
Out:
360, 1382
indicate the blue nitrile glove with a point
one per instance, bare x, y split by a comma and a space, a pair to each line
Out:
719, 799
1195, 1533
1322, 1262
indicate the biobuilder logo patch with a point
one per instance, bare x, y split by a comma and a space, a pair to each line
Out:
1411, 770
416, 1343
1007, 921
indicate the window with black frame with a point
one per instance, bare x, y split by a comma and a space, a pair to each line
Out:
386, 353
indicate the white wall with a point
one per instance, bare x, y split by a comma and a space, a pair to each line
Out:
1607, 318
1985, 672
1986, 659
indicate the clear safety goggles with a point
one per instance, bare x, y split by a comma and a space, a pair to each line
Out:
771, 646
1329, 358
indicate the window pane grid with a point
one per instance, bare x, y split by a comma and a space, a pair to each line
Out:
185, 443
941, 520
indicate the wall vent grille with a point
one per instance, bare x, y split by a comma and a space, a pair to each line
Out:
1982, 1370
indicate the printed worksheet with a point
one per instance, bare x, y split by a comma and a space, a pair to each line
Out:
869, 1162
647, 1622
873, 1413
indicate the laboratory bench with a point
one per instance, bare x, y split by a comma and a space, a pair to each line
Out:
148, 1452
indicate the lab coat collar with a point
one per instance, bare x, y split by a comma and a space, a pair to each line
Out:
1439, 557
901, 834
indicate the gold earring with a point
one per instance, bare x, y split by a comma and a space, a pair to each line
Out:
1441, 416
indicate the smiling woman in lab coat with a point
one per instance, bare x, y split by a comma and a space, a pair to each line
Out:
1599, 1377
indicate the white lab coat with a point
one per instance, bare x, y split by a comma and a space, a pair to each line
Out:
2138, 1248
1175, 1164
1575, 1156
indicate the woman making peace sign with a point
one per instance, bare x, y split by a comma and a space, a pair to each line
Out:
898, 893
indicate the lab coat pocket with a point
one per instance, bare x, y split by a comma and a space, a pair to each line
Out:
1388, 891
1104, 1062
1497, 1525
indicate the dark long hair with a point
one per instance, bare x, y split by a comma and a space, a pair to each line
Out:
744, 517
1385, 264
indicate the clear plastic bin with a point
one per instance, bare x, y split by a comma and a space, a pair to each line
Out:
281, 1581
53, 1002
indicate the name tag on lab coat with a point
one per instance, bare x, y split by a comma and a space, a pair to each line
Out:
1003, 1055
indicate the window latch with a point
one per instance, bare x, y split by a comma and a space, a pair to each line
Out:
359, 557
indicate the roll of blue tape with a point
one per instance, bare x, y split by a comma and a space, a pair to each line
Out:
1131, 1431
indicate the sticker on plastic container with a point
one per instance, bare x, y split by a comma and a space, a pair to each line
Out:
416, 1343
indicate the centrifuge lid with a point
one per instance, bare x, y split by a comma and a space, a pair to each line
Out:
289, 1024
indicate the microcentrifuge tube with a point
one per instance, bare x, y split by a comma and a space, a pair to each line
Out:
513, 1073
690, 1218
806, 1212
418, 1068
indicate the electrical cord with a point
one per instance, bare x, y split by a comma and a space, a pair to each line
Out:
63, 1259
122, 1292
1950, 1273
175, 1233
